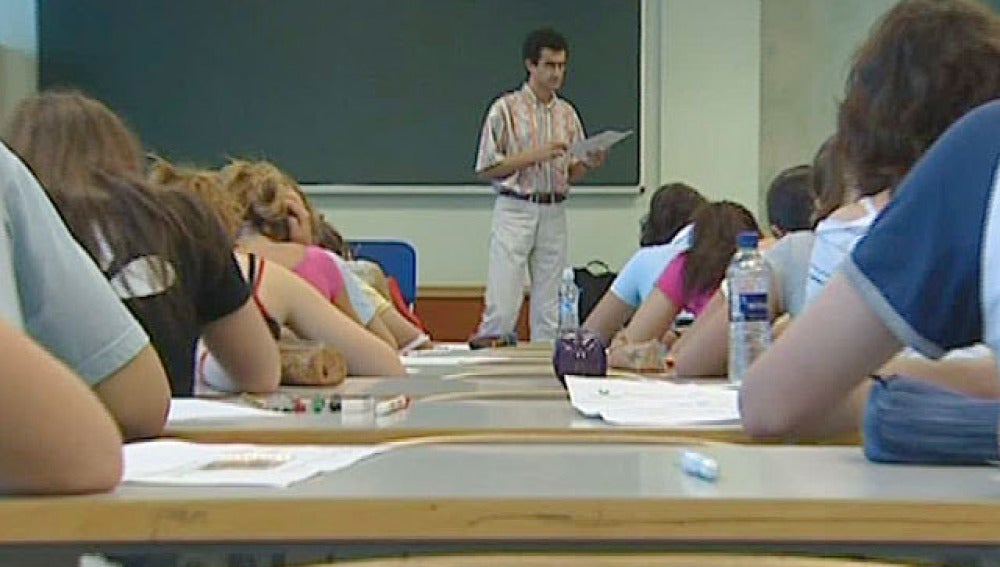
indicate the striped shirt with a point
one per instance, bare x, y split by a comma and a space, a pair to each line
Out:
517, 122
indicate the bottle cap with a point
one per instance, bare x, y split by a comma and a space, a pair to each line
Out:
747, 239
569, 276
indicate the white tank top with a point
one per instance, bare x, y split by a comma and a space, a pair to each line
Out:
835, 239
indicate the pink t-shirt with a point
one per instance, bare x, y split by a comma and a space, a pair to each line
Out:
319, 269
671, 283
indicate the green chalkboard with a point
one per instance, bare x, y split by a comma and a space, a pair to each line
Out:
338, 91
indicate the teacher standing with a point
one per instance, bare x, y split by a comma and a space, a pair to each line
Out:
524, 153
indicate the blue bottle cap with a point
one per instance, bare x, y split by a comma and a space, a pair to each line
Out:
747, 239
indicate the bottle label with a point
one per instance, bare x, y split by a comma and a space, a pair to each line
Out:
750, 307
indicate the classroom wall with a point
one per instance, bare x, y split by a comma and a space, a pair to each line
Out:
733, 91
800, 88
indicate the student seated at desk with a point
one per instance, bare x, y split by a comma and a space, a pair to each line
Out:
791, 201
404, 325
666, 232
51, 290
687, 282
165, 257
279, 224
925, 275
703, 349
285, 299
55, 436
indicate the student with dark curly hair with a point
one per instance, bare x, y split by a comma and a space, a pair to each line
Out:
691, 278
665, 233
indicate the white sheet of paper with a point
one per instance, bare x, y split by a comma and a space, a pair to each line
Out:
450, 360
186, 463
602, 141
182, 409
652, 402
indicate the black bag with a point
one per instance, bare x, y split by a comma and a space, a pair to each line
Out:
593, 285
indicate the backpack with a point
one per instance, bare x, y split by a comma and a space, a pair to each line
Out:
593, 285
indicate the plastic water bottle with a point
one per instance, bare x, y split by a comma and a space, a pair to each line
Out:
749, 280
569, 303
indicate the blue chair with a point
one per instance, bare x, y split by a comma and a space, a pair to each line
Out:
398, 259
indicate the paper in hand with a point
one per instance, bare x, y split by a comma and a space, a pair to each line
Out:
601, 141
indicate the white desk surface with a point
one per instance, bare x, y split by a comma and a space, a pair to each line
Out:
549, 492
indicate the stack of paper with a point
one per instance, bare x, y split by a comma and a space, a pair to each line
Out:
185, 463
602, 141
648, 402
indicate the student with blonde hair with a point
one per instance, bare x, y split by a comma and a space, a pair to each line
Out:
283, 298
279, 223
165, 257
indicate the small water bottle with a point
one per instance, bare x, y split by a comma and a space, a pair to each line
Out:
748, 279
569, 303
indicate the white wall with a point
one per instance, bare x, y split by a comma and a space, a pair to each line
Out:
733, 91
800, 88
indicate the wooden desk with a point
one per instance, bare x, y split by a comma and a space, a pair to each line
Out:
553, 495
449, 418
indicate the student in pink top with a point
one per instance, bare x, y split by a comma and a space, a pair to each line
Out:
690, 279
280, 225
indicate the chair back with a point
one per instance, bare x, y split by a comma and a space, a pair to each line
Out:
398, 259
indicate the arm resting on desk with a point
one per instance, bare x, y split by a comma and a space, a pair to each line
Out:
55, 436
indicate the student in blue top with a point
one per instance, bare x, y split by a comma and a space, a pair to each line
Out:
666, 232
926, 275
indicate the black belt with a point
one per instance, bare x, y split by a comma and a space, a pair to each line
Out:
540, 198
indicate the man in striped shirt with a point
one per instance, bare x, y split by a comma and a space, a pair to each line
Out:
524, 153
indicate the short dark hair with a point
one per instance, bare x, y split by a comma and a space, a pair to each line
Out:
537, 40
790, 199
828, 183
925, 64
670, 209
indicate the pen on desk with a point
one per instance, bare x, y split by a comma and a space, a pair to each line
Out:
699, 466
392, 405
